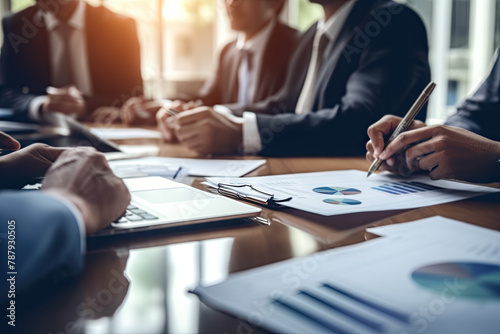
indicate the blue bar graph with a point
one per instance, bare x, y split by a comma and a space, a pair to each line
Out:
405, 188
338, 311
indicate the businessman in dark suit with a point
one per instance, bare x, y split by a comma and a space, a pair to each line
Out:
364, 59
270, 43
89, 54
466, 148
250, 68
46, 229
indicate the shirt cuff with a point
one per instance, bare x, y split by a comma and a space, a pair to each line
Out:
221, 109
78, 217
251, 139
35, 105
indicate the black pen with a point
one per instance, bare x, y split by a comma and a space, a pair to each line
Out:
177, 173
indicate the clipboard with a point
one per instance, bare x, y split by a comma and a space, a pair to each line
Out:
261, 197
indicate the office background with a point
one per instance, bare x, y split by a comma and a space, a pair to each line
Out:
180, 40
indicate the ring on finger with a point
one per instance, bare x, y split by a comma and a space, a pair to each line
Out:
417, 159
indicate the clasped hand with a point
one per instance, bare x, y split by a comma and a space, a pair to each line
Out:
203, 130
67, 100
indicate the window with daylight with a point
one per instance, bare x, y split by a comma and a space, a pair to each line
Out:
180, 39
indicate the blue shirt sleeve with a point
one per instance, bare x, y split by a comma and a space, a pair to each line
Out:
46, 235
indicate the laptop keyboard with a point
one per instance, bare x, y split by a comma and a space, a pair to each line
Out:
132, 215
135, 215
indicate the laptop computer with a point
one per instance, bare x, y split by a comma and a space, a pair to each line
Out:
158, 203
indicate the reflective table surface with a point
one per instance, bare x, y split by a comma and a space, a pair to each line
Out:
140, 284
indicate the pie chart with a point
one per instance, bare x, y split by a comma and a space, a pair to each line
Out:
341, 201
461, 279
337, 191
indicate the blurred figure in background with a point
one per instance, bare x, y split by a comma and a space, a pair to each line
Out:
67, 56
249, 69
362, 60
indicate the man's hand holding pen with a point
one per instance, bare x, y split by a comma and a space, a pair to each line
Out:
444, 151
404, 124
378, 133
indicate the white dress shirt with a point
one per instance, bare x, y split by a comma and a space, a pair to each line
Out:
252, 143
256, 45
78, 49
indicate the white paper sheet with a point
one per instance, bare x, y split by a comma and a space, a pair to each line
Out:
357, 193
195, 167
426, 227
422, 281
127, 133
133, 152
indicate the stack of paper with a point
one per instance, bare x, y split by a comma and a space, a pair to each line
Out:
342, 192
126, 133
431, 276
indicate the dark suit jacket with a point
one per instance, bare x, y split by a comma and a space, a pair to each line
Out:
47, 238
377, 66
481, 112
113, 55
223, 87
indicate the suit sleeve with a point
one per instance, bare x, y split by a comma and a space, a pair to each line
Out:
285, 99
211, 93
480, 113
392, 70
48, 241
11, 95
120, 75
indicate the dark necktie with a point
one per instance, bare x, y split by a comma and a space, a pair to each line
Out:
64, 71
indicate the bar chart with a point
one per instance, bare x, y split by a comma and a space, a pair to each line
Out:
405, 188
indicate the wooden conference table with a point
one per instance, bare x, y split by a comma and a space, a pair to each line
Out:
140, 284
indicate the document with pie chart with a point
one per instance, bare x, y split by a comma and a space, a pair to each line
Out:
343, 192
431, 276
